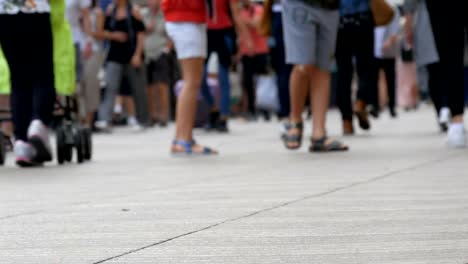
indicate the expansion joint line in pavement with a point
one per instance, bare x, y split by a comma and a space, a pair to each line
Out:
301, 199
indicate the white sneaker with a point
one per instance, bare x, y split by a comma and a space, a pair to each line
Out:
102, 126
25, 154
132, 122
444, 118
456, 136
38, 136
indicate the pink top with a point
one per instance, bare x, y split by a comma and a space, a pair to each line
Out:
249, 15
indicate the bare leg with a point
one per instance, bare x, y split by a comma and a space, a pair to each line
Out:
319, 98
192, 72
129, 105
298, 88
152, 101
299, 83
163, 95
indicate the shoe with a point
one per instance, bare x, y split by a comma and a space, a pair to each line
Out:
38, 136
102, 126
456, 136
222, 126
132, 122
214, 119
393, 113
362, 115
25, 154
163, 124
348, 128
374, 112
444, 118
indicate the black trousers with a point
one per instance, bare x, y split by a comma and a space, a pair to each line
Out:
446, 76
388, 66
283, 70
355, 47
28, 49
250, 66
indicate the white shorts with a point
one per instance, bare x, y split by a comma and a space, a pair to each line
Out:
189, 39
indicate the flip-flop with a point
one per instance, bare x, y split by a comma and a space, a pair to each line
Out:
320, 145
188, 149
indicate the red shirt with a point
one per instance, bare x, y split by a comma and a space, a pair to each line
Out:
260, 42
221, 18
184, 11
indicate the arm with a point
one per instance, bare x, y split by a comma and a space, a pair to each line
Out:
86, 27
140, 44
99, 33
105, 34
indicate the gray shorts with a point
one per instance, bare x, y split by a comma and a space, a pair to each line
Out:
309, 34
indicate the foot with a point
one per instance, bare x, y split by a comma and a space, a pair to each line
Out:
25, 154
102, 126
222, 126
393, 113
374, 112
456, 136
362, 115
38, 136
162, 124
326, 144
348, 128
444, 118
181, 147
214, 119
293, 136
133, 123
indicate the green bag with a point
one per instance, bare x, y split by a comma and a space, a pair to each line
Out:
64, 54
64, 50
4, 75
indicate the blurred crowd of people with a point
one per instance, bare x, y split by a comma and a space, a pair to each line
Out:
203, 62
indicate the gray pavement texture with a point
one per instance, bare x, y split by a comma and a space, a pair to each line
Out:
398, 197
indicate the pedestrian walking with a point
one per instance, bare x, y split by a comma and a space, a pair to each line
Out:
186, 26
32, 76
310, 30
125, 31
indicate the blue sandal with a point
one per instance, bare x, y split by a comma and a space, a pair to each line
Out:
188, 149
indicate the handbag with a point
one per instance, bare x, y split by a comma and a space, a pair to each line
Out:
383, 13
267, 93
264, 26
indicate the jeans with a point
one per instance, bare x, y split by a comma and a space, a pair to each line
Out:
114, 75
355, 47
224, 84
282, 70
220, 41
32, 70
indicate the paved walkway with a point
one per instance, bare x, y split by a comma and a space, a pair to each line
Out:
398, 197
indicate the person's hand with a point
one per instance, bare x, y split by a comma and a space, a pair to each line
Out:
136, 61
88, 50
119, 36
387, 46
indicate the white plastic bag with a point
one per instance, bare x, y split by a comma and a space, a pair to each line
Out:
267, 93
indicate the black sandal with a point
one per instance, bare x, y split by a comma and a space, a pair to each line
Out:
297, 139
320, 145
